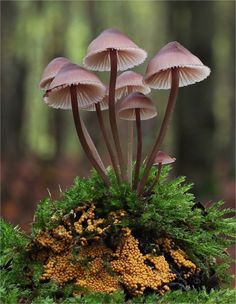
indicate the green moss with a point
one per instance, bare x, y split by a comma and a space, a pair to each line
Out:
176, 297
169, 211
192, 296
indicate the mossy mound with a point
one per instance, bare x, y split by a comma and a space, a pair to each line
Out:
100, 245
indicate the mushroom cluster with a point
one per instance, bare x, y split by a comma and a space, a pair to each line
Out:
70, 86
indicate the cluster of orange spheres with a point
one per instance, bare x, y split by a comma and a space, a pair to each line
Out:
71, 86
61, 269
88, 220
179, 256
46, 240
93, 265
135, 274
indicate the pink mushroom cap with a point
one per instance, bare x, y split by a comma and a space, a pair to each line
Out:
104, 104
90, 89
128, 53
137, 100
51, 70
126, 83
174, 55
163, 158
129, 82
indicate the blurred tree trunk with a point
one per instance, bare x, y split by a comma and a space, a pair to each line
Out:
57, 49
93, 19
232, 100
194, 119
13, 83
95, 29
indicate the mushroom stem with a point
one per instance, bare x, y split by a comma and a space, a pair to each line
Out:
139, 148
155, 181
80, 128
106, 139
169, 109
130, 151
112, 112
92, 147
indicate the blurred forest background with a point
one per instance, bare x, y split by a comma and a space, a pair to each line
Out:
40, 152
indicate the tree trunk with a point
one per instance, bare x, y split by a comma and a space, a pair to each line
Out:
13, 83
194, 119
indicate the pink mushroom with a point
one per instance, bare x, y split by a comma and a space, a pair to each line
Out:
51, 70
136, 106
98, 54
173, 66
90, 89
112, 51
174, 55
161, 159
129, 82
75, 87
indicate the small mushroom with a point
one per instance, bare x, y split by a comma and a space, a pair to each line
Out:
75, 87
126, 83
161, 159
173, 66
112, 51
136, 106
51, 70
129, 82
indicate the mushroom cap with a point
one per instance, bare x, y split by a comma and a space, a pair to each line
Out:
163, 158
51, 70
136, 100
126, 83
129, 82
128, 53
90, 89
104, 104
174, 55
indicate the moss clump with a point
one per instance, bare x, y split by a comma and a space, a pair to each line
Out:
100, 245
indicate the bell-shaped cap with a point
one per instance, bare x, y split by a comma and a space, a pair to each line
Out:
129, 82
128, 53
137, 100
174, 55
51, 70
163, 158
90, 89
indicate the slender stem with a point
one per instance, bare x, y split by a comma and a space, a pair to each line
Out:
139, 148
92, 147
155, 181
106, 139
112, 112
166, 119
130, 151
80, 132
